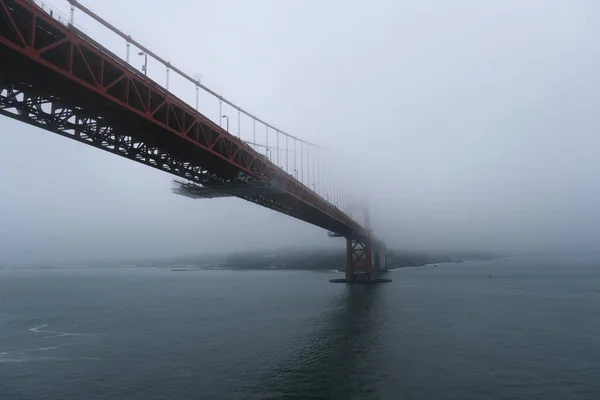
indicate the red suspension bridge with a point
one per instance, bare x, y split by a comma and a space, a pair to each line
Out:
56, 77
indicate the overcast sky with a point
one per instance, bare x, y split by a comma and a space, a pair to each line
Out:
467, 124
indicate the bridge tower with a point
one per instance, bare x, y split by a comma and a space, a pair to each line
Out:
366, 256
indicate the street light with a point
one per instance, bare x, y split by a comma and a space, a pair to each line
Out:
145, 66
227, 118
198, 79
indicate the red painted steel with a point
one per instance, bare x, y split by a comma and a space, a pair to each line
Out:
359, 264
349, 259
45, 62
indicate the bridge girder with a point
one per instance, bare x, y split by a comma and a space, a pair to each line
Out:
55, 77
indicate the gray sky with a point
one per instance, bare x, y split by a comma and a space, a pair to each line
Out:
468, 125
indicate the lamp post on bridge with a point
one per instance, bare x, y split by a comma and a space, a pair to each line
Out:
72, 18
198, 80
168, 67
227, 118
145, 66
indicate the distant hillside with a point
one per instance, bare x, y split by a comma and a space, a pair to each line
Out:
328, 259
310, 259
401, 259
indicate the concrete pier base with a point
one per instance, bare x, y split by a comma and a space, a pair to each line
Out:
362, 282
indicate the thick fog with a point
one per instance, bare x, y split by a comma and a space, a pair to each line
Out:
466, 124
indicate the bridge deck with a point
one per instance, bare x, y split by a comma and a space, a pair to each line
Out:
57, 78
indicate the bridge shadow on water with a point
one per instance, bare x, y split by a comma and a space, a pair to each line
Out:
339, 359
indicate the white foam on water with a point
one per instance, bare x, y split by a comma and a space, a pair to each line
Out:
11, 360
36, 329
59, 335
38, 359
53, 334
24, 355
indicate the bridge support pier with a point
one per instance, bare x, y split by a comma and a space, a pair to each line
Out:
359, 260
366, 259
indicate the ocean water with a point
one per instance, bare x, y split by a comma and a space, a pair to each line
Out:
517, 329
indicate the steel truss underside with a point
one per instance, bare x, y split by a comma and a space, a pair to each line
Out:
52, 79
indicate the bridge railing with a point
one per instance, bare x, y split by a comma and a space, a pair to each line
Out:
307, 162
55, 13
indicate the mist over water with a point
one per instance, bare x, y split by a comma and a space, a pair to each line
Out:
466, 126
522, 329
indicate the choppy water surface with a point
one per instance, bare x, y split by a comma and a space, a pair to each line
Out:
518, 329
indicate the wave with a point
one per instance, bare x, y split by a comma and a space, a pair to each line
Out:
24, 355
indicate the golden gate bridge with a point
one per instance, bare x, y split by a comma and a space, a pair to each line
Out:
57, 78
